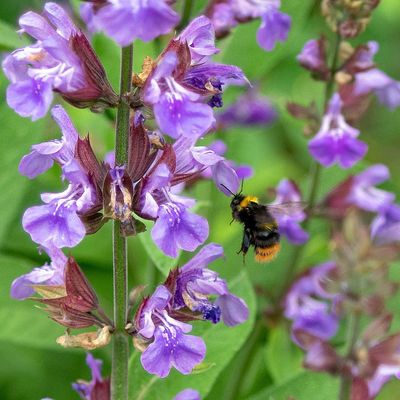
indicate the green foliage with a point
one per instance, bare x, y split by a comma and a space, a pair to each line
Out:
9, 38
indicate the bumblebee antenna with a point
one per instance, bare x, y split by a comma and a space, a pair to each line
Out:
230, 191
241, 186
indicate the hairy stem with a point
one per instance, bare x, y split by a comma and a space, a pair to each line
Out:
315, 175
120, 350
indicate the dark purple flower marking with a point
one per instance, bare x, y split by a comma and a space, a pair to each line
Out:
336, 141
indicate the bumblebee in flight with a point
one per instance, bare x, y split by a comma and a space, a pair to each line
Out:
261, 228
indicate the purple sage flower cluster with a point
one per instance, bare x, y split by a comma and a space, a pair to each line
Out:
162, 319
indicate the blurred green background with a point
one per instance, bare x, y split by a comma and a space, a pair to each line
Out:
248, 362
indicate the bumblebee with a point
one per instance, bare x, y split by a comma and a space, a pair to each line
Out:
260, 226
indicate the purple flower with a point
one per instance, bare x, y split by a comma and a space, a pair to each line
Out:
385, 228
363, 192
385, 88
61, 60
57, 222
195, 282
127, 20
48, 274
188, 394
249, 109
288, 192
200, 37
43, 155
176, 228
336, 141
222, 17
98, 387
274, 27
226, 178
171, 346
313, 58
308, 313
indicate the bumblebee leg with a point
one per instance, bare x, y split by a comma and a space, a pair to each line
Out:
246, 241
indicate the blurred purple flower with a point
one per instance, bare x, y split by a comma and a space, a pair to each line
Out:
385, 88
61, 60
287, 192
363, 192
171, 346
303, 307
249, 109
127, 20
48, 274
274, 27
188, 394
195, 282
98, 387
385, 228
313, 58
336, 141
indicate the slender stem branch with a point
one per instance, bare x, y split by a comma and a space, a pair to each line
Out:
120, 351
186, 13
315, 175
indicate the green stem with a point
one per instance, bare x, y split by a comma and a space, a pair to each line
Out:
315, 176
352, 336
186, 13
120, 350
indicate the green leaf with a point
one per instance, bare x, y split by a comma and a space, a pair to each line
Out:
9, 38
304, 386
222, 344
283, 358
22, 323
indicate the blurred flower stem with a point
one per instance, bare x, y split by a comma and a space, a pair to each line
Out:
186, 13
120, 351
315, 175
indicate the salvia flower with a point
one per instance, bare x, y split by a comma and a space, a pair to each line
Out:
195, 282
57, 222
98, 387
184, 85
308, 312
249, 109
49, 274
62, 60
336, 141
385, 228
171, 346
286, 192
127, 20
313, 58
275, 25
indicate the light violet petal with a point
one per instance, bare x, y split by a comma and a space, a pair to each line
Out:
225, 178
34, 164
234, 310
275, 27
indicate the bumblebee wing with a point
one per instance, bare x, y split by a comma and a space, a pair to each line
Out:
285, 209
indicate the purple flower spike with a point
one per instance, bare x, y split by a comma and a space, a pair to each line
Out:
48, 274
287, 192
385, 228
200, 37
176, 228
188, 394
195, 282
364, 195
42, 156
336, 141
309, 314
98, 387
61, 60
275, 27
127, 20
